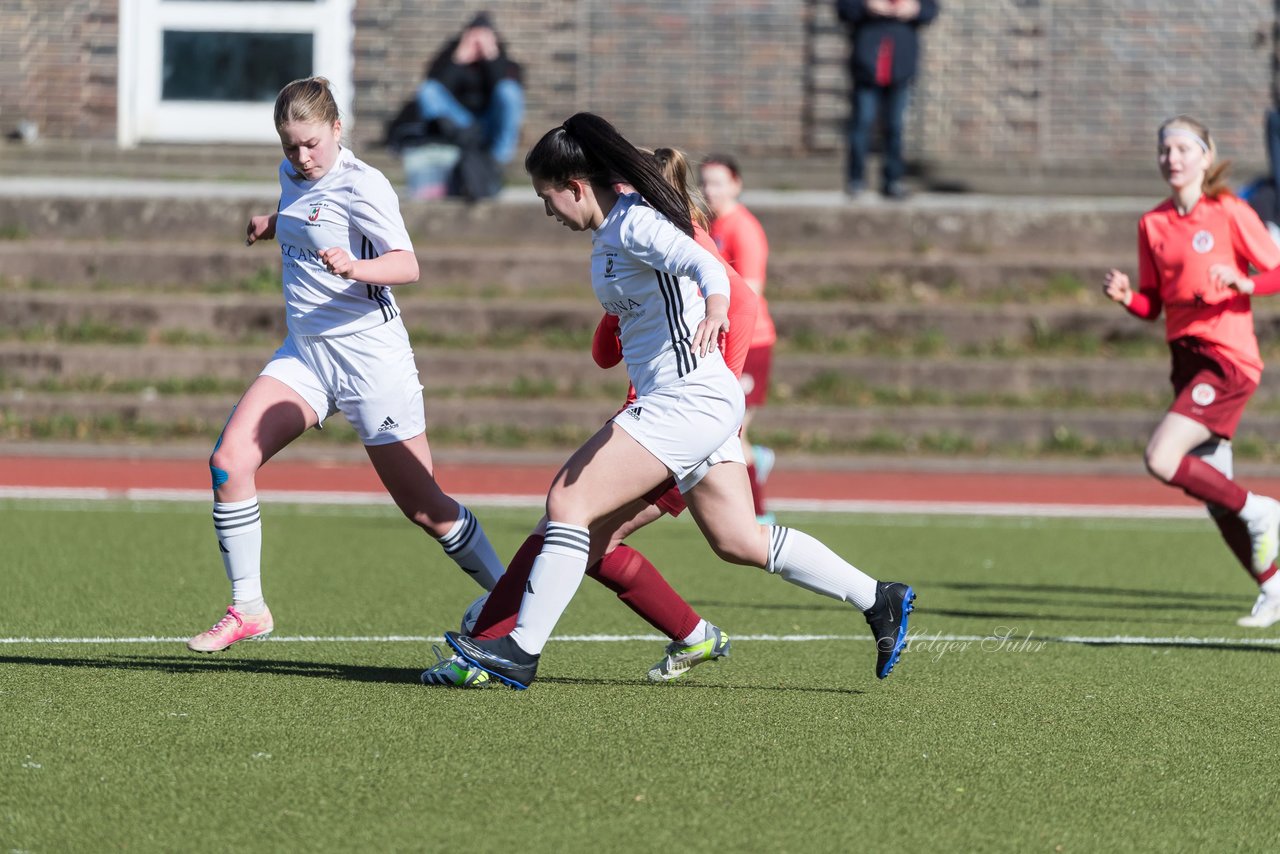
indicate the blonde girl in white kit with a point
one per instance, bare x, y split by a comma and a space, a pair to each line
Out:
343, 249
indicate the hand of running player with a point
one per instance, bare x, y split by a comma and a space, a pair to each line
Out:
707, 336
338, 261
1116, 287
1227, 276
260, 228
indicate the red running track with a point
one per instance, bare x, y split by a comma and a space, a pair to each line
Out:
507, 479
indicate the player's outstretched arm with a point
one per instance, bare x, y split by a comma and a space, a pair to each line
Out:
260, 228
1117, 288
397, 267
1227, 276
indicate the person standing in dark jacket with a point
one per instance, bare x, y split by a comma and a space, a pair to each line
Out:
472, 92
884, 35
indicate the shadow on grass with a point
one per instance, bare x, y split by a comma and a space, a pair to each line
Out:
682, 686
347, 672
1174, 644
1193, 599
1116, 621
1117, 606
182, 664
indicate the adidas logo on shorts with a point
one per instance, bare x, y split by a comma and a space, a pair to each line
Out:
389, 424
634, 412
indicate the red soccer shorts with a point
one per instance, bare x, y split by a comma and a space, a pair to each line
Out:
1208, 388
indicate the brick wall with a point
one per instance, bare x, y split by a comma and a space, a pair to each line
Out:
1087, 81
1040, 84
58, 67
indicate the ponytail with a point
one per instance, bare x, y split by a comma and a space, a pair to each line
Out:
587, 147
675, 168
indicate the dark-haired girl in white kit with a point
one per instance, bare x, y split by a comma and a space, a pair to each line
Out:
684, 422
343, 246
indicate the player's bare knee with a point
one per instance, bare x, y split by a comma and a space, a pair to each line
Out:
562, 506
226, 465
1160, 464
738, 549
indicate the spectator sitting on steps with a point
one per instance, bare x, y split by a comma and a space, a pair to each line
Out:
472, 98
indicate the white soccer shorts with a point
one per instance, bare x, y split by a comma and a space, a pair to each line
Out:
690, 425
369, 376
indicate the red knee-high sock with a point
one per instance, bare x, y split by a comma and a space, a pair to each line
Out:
1236, 533
498, 618
757, 492
1205, 483
643, 589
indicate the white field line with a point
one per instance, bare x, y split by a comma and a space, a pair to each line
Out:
922, 638
1064, 510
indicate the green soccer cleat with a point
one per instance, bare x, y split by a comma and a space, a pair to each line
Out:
453, 672
680, 659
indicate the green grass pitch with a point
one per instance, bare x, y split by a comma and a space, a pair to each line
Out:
1030, 744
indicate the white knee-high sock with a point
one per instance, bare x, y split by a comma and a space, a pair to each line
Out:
238, 525
556, 574
471, 550
807, 563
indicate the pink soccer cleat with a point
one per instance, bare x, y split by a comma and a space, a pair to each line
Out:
232, 628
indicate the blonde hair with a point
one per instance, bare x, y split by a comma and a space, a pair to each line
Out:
308, 101
1215, 177
675, 168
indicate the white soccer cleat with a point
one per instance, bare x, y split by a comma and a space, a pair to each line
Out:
1266, 612
1264, 532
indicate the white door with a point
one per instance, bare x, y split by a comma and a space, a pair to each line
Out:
207, 71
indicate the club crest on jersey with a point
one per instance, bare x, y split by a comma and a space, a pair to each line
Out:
1202, 242
1203, 394
315, 214
608, 267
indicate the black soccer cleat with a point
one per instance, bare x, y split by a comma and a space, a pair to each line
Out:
501, 657
888, 621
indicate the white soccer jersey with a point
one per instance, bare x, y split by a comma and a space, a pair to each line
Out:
355, 207
643, 270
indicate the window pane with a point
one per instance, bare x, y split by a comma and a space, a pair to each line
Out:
210, 66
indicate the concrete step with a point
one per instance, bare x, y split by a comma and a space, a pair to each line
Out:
184, 212
801, 325
817, 170
536, 271
849, 380
25, 415
843, 327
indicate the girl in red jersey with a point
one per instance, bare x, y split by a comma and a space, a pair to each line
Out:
740, 238
1194, 251
623, 569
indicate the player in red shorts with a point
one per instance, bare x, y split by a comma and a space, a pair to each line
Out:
1194, 252
622, 569
741, 240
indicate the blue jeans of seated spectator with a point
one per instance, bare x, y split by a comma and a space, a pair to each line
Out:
865, 102
500, 121
1273, 146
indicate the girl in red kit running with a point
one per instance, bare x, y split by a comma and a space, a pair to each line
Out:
622, 569
1194, 252
740, 238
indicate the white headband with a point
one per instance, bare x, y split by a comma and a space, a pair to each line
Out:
1189, 134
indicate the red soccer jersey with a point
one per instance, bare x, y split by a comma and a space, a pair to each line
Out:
741, 240
1175, 253
606, 349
